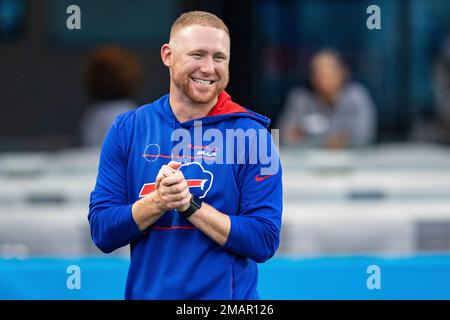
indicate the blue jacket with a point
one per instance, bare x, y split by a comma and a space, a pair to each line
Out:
172, 259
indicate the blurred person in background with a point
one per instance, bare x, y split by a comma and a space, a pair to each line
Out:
334, 113
434, 126
111, 77
442, 91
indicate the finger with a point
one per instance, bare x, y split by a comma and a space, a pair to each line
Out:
179, 204
159, 177
172, 172
168, 170
173, 180
165, 171
178, 172
179, 188
174, 164
168, 198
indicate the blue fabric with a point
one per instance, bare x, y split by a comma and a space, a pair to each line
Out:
173, 260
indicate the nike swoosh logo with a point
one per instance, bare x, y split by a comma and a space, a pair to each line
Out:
261, 178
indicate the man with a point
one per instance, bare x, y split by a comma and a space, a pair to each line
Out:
196, 226
335, 113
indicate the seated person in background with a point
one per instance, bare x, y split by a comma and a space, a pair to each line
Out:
432, 122
111, 77
336, 113
441, 88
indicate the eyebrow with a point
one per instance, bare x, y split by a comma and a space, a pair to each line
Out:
206, 52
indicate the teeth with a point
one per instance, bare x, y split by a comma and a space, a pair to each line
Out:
202, 81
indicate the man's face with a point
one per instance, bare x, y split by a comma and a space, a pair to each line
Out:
200, 59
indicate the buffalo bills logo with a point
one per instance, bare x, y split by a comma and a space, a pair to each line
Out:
198, 179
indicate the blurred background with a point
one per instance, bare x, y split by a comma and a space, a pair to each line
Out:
364, 119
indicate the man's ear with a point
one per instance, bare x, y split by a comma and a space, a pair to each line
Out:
166, 55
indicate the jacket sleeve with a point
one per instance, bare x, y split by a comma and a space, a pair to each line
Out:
110, 218
255, 229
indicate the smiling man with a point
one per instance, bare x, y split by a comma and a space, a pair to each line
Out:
197, 56
196, 227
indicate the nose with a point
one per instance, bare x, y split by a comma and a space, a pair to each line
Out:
207, 66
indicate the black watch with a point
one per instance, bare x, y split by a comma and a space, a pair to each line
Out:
196, 203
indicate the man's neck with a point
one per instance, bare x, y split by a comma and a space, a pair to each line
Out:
184, 109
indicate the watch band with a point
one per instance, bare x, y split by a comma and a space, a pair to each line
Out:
196, 203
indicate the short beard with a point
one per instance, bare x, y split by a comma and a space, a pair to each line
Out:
185, 87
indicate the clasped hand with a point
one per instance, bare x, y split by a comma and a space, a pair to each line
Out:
172, 187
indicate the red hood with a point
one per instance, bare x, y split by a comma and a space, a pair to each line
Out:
224, 105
